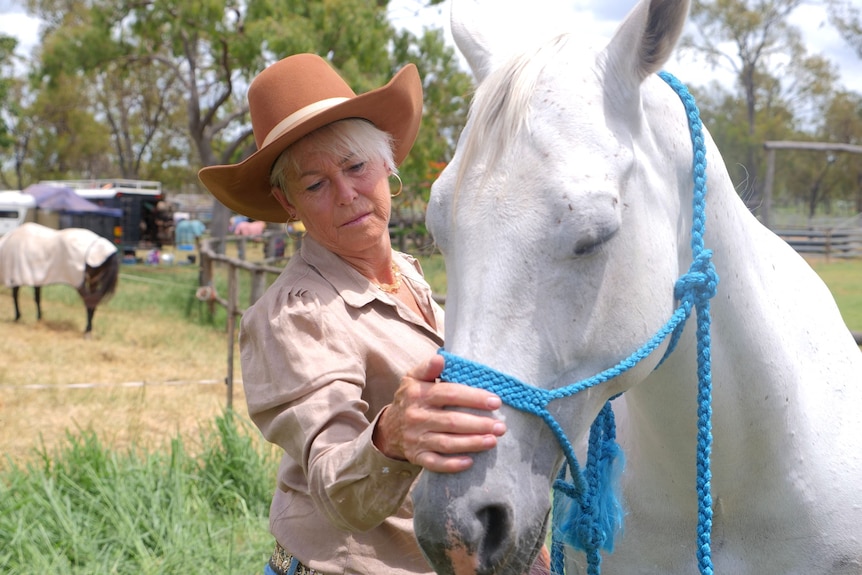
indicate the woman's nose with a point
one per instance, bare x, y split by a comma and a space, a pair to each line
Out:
344, 190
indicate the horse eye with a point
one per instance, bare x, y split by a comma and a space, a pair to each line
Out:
593, 243
586, 249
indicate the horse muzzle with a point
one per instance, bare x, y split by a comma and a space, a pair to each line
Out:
467, 527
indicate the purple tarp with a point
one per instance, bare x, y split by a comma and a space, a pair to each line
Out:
63, 199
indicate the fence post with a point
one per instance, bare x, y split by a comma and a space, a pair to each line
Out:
258, 285
233, 291
205, 277
766, 207
208, 262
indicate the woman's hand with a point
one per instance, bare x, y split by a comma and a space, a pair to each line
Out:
418, 428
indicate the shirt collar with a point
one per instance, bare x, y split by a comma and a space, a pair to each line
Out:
352, 286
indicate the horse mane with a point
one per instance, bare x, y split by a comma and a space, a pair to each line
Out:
500, 106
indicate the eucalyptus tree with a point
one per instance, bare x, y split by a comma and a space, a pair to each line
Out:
447, 89
842, 122
10, 115
151, 57
774, 74
725, 113
7, 53
846, 16
87, 85
826, 181
67, 138
16, 125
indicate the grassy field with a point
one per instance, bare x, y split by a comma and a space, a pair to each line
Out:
119, 454
844, 279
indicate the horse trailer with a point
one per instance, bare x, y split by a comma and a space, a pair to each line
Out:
146, 221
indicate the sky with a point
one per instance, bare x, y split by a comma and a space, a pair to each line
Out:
603, 16
599, 16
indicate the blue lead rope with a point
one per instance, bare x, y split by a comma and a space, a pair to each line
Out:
592, 514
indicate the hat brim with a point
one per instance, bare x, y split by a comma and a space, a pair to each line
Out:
395, 108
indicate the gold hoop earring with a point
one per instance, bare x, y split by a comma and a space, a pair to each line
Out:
400, 185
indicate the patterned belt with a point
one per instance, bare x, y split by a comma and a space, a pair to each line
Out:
283, 563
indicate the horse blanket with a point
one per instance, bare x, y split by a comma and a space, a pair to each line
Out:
35, 255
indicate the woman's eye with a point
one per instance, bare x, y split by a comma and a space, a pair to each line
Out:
314, 187
356, 168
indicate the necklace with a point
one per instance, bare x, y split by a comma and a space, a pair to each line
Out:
394, 286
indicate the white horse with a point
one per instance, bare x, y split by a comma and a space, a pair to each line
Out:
566, 218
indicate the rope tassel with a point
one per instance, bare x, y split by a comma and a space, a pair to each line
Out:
591, 523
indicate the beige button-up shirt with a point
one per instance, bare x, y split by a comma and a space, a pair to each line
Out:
322, 353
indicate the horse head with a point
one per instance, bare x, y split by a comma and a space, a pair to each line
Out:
560, 218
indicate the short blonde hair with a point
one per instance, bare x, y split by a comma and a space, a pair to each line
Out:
350, 137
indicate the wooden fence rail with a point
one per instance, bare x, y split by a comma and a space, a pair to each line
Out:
206, 292
826, 241
829, 242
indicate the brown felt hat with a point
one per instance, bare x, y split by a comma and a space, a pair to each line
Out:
291, 99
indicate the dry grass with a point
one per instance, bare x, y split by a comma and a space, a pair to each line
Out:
143, 417
141, 378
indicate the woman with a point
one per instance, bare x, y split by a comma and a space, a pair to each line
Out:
339, 355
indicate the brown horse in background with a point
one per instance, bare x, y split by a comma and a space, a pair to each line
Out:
34, 255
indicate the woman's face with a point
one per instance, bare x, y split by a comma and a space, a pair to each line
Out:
344, 202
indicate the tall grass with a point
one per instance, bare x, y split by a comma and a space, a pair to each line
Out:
90, 510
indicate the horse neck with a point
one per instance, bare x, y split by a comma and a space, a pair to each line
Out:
775, 322
784, 367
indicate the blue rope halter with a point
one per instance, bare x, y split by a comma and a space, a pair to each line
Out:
596, 515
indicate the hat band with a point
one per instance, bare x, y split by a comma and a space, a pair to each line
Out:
300, 116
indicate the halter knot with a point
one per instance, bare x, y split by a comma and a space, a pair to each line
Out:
590, 534
700, 284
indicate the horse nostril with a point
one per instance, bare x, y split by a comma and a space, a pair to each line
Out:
496, 522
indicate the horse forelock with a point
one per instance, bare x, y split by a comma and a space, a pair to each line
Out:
501, 107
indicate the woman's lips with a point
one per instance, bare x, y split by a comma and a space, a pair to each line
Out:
355, 220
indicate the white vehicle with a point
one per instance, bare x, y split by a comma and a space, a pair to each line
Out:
15, 209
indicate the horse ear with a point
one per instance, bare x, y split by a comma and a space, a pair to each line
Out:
469, 39
645, 40
488, 32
